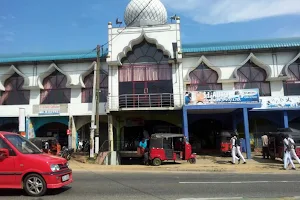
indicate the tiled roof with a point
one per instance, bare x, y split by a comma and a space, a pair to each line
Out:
241, 45
50, 56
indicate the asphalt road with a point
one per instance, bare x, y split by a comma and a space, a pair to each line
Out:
169, 186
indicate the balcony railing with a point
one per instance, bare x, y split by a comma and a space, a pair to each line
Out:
146, 100
132, 101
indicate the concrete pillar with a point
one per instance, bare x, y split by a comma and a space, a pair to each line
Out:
185, 124
110, 133
74, 134
118, 128
285, 119
247, 134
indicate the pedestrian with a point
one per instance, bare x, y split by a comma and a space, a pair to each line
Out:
238, 149
265, 146
287, 153
293, 149
233, 149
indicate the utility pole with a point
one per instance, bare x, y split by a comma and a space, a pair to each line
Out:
98, 68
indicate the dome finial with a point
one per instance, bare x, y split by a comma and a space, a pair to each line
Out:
145, 13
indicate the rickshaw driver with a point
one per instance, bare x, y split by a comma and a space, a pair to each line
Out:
144, 145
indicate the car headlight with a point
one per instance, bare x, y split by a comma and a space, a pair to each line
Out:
54, 168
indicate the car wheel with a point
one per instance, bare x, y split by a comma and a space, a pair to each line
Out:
35, 185
192, 160
156, 162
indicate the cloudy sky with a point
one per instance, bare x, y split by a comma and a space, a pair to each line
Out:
68, 25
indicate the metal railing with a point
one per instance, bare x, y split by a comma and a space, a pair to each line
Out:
161, 100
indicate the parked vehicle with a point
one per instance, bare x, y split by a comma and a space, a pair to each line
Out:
24, 166
224, 142
48, 145
276, 146
167, 146
66, 153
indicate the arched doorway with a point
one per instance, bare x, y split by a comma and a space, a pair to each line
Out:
54, 129
204, 135
295, 123
10, 127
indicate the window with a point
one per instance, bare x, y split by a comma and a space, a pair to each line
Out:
87, 92
55, 91
292, 85
203, 78
251, 76
23, 145
4, 145
14, 93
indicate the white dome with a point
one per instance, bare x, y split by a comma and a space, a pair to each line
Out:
153, 14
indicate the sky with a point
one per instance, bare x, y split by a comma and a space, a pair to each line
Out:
71, 25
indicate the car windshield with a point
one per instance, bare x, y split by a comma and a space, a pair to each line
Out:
23, 145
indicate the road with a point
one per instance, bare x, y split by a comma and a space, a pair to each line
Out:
169, 186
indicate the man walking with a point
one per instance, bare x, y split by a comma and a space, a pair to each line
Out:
287, 153
238, 149
265, 146
293, 149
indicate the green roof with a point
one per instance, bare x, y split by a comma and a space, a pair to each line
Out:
31, 57
186, 48
241, 45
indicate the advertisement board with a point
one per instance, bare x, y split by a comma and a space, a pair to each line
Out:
222, 96
49, 109
283, 102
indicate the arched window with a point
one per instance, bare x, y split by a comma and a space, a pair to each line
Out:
145, 71
292, 85
14, 93
87, 92
55, 91
251, 76
203, 78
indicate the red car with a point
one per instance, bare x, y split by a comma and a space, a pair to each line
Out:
25, 166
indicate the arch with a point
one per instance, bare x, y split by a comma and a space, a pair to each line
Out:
204, 60
9, 73
90, 69
257, 62
14, 93
41, 121
286, 67
137, 41
49, 71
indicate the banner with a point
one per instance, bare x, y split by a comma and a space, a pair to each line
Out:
49, 109
222, 96
280, 102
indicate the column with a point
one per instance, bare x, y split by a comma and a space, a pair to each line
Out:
185, 124
118, 135
247, 134
110, 133
285, 119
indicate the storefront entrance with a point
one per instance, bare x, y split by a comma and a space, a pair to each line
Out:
54, 129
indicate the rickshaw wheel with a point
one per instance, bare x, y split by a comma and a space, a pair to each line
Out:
192, 160
156, 161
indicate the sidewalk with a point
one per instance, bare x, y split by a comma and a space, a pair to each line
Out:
204, 164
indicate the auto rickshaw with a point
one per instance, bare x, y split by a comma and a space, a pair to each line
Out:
168, 146
276, 146
224, 142
48, 145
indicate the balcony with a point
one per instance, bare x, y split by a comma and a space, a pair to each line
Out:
160, 101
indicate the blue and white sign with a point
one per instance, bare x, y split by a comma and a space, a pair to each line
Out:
49, 109
223, 96
284, 102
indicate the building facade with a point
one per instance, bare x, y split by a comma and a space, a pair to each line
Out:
145, 75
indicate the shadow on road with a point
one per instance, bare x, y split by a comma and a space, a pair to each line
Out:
52, 192
267, 161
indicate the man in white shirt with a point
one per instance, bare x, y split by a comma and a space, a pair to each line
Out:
287, 153
293, 149
265, 146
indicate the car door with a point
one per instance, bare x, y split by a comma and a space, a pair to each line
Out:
7, 167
